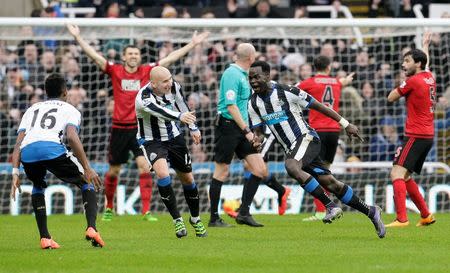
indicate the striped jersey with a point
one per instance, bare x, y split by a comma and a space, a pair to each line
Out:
158, 116
281, 110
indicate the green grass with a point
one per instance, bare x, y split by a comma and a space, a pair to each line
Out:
285, 244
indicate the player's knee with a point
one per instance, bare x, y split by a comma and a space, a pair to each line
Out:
397, 173
114, 171
221, 172
293, 169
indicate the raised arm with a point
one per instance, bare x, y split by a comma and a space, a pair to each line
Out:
426, 39
347, 80
89, 50
179, 53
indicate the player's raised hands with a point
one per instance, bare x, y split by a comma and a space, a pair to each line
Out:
15, 185
74, 30
353, 131
196, 136
92, 177
426, 39
188, 117
199, 38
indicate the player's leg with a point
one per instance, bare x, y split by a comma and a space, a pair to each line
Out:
68, 169
271, 181
303, 153
420, 149
36, 173
145, 187
117, 155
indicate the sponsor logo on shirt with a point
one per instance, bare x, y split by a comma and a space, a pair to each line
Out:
429, 81
275, 118
131, 85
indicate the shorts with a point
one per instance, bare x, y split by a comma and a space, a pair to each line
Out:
174, 150
267, 146
65, 167
412, 153
121, 142
230, 140
329, 141
307, 149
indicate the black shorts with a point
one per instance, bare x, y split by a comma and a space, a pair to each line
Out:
307, 150
174, 150
267, 146
412, 153
230, 140
121, 142
329, 141
65, 167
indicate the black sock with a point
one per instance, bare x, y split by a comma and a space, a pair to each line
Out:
40, 213
214, 197
192, 199
168, 198
249, 191
347, 197
313, 187
90, 204
272, 183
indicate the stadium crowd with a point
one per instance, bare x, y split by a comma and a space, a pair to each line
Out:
24, 65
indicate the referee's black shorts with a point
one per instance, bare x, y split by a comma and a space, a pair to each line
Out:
229, 140
121, 142
412, 153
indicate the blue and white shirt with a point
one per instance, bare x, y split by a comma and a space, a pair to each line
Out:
44, 124
281, 110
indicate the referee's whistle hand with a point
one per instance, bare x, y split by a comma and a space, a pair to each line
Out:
188, 117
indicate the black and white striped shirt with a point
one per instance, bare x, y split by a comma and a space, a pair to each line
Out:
281, 110
158, 116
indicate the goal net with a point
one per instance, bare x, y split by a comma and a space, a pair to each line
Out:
30, 49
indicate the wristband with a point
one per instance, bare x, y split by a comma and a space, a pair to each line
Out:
344, 122
15, 171
246, 130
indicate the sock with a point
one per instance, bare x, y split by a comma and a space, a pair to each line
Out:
312, 186
249, 191
214, 197
168, 196
417, 198
347, 197
40, 213
195, 219
400, 199
192, 199
272, 183
145, 186
90, 204
110, 189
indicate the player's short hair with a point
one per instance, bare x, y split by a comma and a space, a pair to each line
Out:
55, 85
418, 56
321, 63
265, 66
129, 46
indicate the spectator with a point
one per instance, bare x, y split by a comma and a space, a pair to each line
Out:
262, 9
384, 143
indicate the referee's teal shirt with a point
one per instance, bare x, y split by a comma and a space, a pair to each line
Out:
234, 89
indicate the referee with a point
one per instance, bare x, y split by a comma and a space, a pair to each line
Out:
232, 135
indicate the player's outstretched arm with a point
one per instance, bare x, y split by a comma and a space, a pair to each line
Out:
15, 184
394, 95
347, 80
74, 142
350, 129
426, 40
179, 53
74, 30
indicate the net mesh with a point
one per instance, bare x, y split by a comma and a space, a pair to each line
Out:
28, 54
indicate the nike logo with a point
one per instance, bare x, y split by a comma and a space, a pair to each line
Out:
165, 198
193, 197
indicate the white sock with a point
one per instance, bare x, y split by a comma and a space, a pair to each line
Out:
195, 219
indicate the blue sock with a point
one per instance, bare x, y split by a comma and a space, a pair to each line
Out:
166, 181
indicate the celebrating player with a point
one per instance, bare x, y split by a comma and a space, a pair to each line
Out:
419, 89
327, 90
39, 146
127, 79
162, 142
280, 107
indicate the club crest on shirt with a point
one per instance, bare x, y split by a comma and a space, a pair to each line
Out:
403, 84
280, 103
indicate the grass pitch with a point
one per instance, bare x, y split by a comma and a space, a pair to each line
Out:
285, 244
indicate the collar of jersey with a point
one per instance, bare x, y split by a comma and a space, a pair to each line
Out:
240, 68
